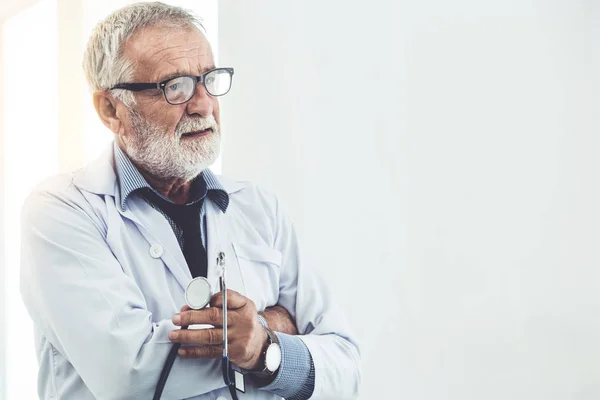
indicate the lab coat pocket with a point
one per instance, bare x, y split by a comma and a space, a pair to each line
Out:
260, 269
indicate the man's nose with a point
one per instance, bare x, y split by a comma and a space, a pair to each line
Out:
201, 102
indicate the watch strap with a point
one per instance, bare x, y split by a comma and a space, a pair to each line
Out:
271, 339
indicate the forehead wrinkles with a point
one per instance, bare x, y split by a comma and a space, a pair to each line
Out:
152, 47
176, 52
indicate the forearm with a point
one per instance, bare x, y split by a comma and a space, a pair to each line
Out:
94, 315
124, 363
279, 320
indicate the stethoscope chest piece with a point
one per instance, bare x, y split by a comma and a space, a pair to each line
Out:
198, 293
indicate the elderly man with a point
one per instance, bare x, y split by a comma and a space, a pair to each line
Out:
109, 250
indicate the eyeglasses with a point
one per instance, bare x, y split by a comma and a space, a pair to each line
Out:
217, 82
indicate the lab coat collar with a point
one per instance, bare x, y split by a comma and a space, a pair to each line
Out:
99, 177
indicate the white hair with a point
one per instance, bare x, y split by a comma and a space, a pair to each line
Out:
103, 61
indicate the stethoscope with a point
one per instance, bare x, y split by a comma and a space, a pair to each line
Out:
197, 295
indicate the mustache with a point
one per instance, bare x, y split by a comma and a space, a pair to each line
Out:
195, 124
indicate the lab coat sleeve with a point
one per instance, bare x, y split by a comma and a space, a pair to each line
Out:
320, 321
91, 311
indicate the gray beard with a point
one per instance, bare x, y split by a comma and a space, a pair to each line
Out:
169, 157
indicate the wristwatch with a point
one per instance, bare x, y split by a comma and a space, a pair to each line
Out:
271, 356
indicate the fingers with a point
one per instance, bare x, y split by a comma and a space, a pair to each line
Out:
185, 308
234, 300
201, 352
211, 337
210, 315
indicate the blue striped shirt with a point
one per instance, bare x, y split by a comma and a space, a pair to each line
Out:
296, 375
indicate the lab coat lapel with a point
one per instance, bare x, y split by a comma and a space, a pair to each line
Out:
218, 239
157, 231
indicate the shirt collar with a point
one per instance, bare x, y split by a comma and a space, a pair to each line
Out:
130, 180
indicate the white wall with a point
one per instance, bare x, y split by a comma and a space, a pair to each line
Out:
451, 147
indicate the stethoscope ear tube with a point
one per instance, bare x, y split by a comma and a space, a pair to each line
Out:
230, 384
225, 360
225, 366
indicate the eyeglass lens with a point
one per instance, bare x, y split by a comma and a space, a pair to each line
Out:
181, 89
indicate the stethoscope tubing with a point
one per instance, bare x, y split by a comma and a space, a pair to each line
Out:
168, 365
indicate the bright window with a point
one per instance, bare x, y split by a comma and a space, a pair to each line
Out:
30, 154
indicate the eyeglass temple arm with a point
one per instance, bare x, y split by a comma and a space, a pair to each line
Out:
136, 87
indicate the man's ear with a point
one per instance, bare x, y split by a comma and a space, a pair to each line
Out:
107, 109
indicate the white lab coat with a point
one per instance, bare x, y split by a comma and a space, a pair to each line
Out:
102, 301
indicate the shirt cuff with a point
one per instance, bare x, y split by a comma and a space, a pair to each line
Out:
294, 378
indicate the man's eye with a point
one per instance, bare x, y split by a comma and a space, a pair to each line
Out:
173, 86
210, 80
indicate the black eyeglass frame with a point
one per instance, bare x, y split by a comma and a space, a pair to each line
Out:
138, 86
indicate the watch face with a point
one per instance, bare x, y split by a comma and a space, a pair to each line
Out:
273, 357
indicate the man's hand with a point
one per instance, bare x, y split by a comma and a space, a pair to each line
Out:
246, 336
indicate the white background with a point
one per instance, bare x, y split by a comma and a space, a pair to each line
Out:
440, 161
